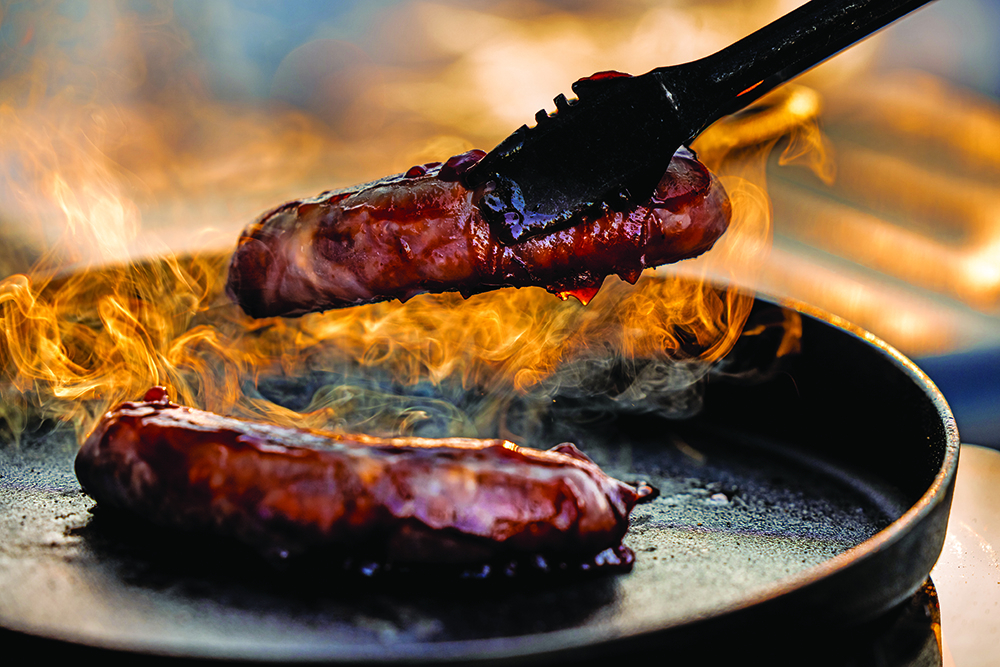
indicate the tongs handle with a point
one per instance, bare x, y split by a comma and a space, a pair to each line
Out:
739, 74
612, 145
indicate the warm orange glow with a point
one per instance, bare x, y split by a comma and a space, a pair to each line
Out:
744, 92
80, 341
141, 203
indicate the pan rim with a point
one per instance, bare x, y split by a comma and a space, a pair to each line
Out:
930, 499
553, 643
935, 495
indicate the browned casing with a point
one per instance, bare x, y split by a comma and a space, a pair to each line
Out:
422, 232
286, 490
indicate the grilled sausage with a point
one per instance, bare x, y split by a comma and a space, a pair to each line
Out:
400, 500
422, 232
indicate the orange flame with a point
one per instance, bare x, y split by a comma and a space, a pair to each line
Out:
89, 325
80, 342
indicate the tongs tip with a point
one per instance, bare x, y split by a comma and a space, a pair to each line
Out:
572, 164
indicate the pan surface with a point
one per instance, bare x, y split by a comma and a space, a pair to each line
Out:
818, 495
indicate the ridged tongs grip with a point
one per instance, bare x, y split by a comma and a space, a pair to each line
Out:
612, 144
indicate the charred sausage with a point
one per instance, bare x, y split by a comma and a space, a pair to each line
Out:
400, 500
422, 232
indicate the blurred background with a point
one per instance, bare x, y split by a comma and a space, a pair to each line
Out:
137, 128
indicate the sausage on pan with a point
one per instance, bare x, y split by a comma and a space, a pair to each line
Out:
399, 500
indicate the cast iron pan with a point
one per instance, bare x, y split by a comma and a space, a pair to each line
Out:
816, 498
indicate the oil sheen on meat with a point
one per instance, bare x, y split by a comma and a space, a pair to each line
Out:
287, 491
422, 232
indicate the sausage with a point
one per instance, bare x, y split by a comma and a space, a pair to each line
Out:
286, 491
422, 232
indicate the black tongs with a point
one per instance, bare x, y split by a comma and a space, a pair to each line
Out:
611, 146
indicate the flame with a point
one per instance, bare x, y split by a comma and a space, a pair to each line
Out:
78, 342
114, 302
